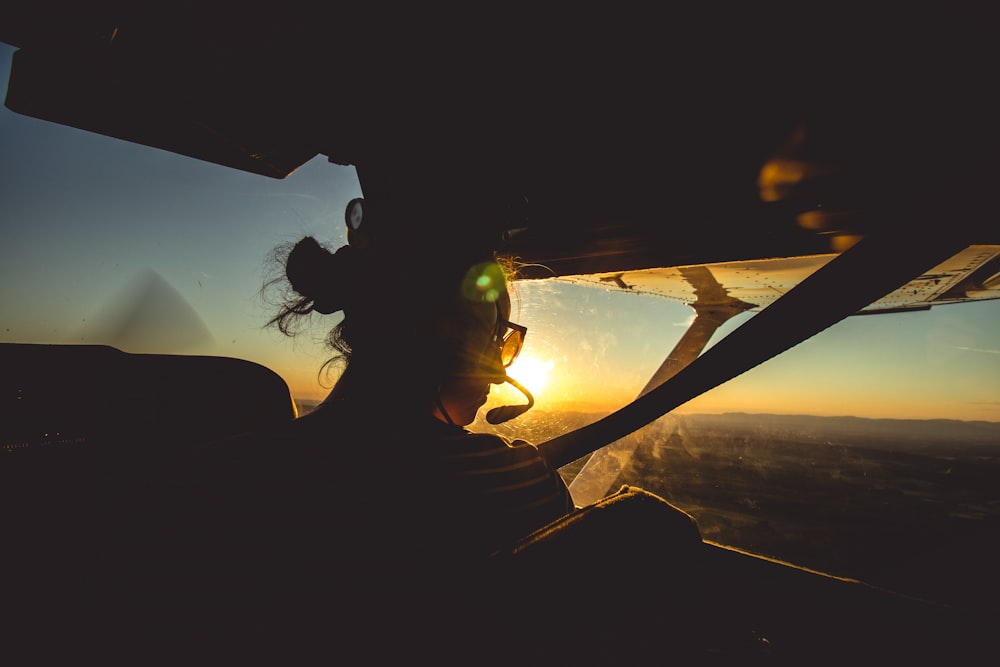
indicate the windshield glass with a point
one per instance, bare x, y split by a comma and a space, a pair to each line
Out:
870, 451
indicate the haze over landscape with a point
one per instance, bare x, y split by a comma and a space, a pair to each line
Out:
908, 505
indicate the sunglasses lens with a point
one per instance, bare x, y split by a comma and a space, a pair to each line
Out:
511, 347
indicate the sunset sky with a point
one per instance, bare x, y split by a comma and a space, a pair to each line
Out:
89, 224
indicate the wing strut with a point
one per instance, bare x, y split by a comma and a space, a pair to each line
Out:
878, 264
713, 307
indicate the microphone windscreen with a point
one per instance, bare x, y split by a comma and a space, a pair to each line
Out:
505, 413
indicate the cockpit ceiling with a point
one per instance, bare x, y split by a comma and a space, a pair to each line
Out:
971, 275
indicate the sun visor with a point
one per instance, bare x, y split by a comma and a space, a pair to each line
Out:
83, 90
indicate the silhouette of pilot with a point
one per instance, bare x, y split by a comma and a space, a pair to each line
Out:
419, 358
380, 499
342, 530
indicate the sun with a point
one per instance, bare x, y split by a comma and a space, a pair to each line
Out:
531, 372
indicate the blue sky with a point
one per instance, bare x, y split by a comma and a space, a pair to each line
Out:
86, 220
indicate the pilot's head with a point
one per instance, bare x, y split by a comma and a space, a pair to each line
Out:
432, 339
477, 342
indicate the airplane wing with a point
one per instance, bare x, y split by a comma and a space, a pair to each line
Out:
729, 288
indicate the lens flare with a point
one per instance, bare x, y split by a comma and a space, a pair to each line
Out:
484, 282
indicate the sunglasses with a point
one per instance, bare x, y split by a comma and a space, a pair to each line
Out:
508, 338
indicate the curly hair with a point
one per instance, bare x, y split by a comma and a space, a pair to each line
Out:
378, 297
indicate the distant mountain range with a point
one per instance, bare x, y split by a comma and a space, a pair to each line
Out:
539, 425
910, 434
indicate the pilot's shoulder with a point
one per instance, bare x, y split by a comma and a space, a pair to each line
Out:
485, 451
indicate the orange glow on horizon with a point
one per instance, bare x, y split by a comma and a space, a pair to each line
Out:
533, 373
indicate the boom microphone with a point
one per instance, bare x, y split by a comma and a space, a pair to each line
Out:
507, 412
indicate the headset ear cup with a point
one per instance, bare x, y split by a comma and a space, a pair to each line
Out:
356, 216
